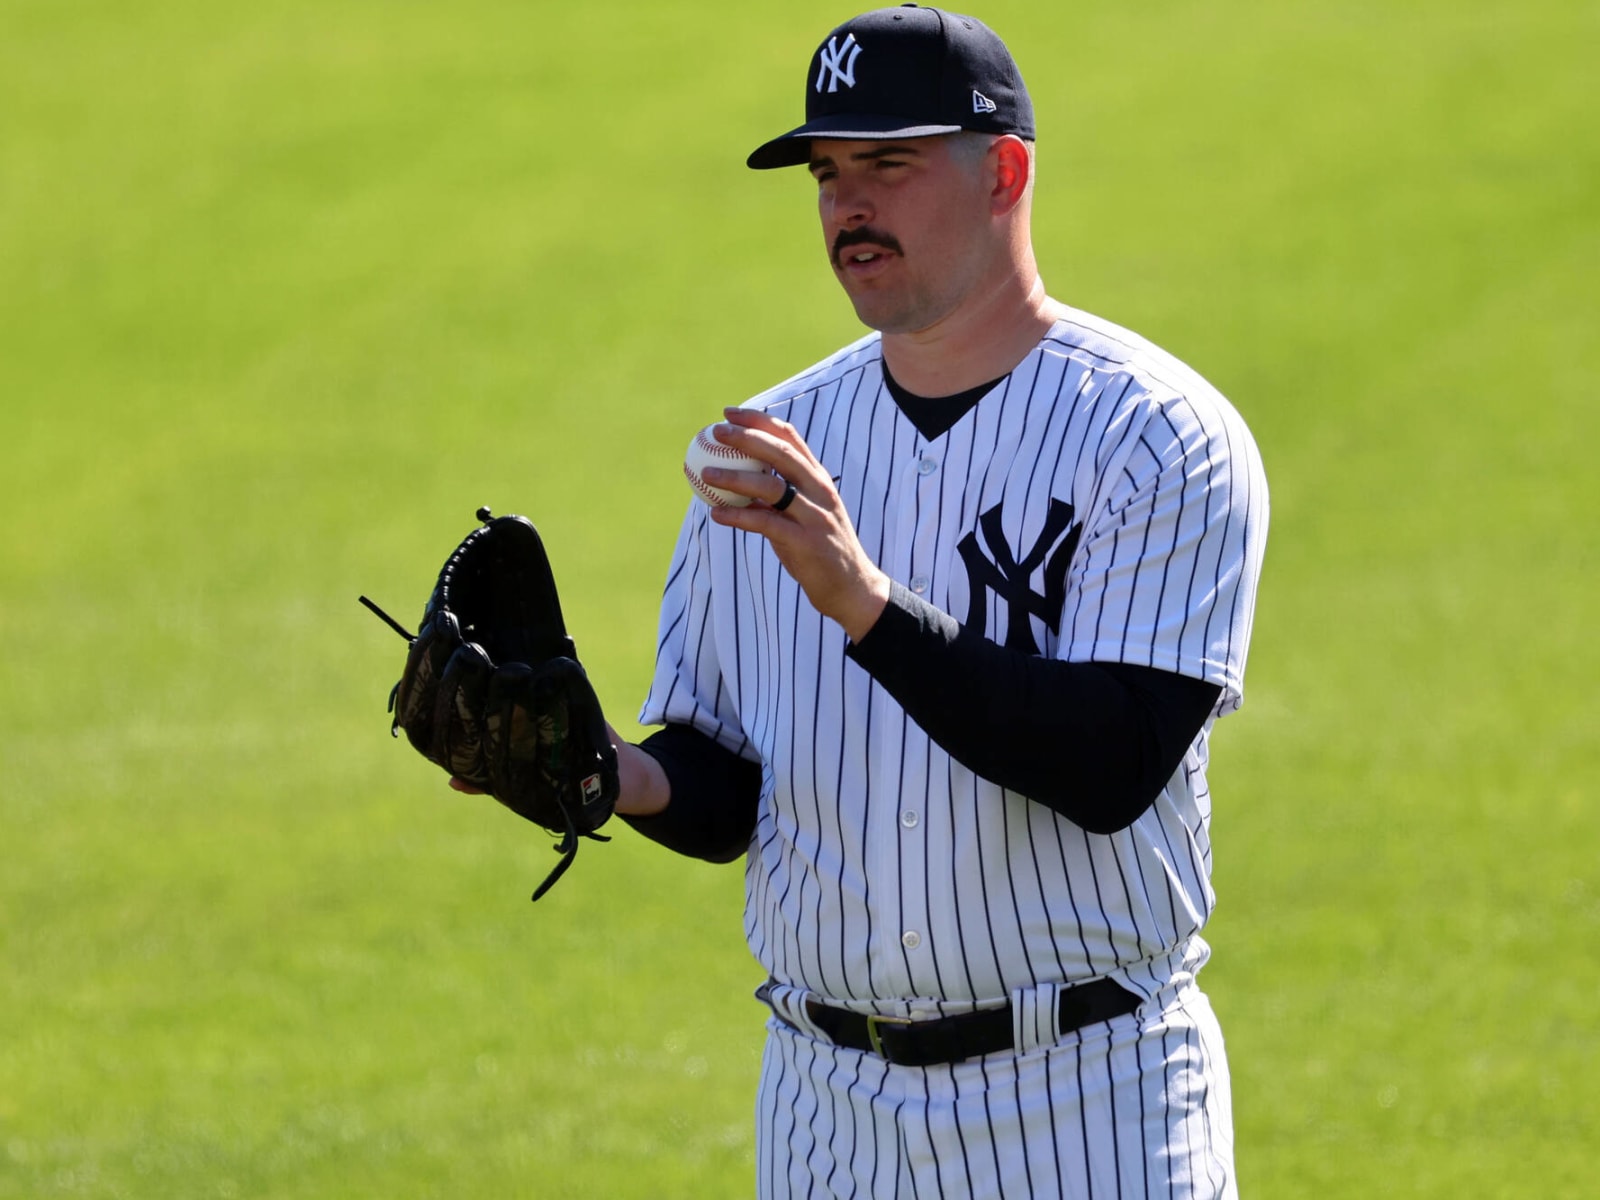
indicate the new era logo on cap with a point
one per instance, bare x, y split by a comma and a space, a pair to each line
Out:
905, 72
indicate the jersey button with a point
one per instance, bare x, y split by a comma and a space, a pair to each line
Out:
911, 939
919, 584
909, 819
926, 466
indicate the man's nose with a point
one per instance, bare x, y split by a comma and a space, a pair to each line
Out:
849, 205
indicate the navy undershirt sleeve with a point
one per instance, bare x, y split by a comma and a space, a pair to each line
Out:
714, 796
1093, 741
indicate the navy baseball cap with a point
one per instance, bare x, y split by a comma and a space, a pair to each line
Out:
902, 73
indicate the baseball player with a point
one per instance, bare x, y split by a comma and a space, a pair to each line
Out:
947, 685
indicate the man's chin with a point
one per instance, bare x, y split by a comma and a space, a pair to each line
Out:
888, 323
876, 311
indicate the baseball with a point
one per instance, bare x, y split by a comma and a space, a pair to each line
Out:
705, 451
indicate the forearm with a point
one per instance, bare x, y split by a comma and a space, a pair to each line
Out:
691, 795
644, 787
1095, 742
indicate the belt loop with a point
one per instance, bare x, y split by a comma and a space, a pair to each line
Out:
788, 1004
1035, 1016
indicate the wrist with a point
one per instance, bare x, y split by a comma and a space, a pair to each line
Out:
644, 790
863, 612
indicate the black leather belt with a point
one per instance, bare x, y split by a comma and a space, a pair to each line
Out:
911, 1043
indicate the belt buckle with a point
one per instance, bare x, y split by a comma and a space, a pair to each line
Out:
875, 1024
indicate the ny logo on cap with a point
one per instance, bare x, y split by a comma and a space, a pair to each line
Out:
839, 62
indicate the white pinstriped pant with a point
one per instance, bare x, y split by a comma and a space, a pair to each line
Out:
1134, 1107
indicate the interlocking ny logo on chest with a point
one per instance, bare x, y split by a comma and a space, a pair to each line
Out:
836, 63
1006, 575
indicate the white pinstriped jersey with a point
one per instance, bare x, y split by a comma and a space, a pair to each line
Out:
881, 870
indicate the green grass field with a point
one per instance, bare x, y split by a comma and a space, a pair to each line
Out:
287, 291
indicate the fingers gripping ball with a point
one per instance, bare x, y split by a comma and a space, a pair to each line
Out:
705, 451
492, 690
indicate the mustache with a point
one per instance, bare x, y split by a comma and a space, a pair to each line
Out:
864, 235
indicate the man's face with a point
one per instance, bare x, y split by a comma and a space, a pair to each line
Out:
906, 224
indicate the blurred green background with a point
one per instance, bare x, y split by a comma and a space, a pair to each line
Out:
288, 290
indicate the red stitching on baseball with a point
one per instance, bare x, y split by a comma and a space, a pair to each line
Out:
703, 489
711, 446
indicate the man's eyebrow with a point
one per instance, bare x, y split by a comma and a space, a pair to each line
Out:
889, 150
892, 150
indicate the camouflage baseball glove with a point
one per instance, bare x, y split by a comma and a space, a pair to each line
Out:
493, 692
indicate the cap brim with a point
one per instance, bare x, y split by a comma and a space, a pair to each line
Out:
793, 149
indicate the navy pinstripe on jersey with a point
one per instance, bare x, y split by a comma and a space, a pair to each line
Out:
883, 875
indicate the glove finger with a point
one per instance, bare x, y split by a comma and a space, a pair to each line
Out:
459, 716
414, 696
585, 769
513, 736
546, 733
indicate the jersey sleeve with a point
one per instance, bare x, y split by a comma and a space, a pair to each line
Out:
688, 687
1167, 570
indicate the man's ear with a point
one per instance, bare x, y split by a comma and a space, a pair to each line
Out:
1012, 165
